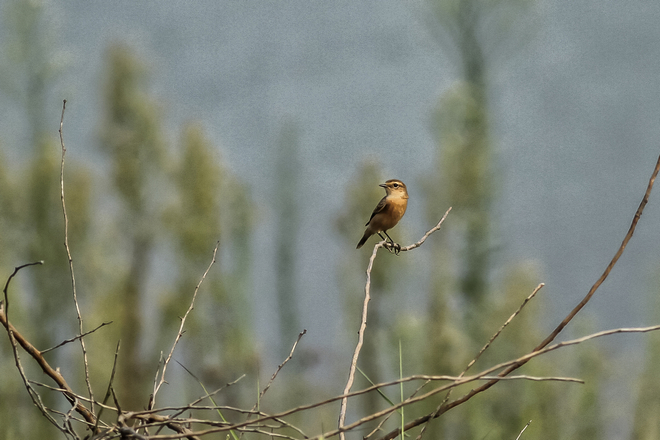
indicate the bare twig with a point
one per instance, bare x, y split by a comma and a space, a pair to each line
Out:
270, 382
363, 326
363, 323
428, 233
160, 382
523, 430
449, 405
109, 390
193, 404
16, 338
497, 333
68, 254
154, 420
75, 338
484, 375
13, 274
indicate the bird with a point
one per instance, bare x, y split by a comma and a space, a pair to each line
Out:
388, 212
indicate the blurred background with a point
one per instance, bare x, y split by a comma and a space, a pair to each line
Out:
267, 126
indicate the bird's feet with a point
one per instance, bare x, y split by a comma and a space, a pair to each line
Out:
393, 248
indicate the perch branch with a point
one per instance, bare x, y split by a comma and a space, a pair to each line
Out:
365, 307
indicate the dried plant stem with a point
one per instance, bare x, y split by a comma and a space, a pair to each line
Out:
454, 382
358, 347
16, 338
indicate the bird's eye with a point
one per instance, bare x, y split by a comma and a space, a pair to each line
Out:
396, 185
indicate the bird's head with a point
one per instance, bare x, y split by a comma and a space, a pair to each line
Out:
395, 188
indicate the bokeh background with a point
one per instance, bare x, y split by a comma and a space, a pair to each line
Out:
267, 125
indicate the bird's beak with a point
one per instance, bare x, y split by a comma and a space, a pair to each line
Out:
383, 185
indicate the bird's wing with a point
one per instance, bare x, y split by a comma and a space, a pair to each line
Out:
381, 205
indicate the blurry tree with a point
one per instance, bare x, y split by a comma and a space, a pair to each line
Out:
131, 138
210, 205
287, 176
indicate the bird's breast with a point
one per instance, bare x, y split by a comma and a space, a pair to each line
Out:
390, 216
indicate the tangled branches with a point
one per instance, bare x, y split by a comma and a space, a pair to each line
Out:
202, 417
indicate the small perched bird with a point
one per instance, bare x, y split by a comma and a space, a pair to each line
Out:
388, 212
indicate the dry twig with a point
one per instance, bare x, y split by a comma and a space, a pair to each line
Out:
523, 430
158, 383
279, 367
68, 254
16, 338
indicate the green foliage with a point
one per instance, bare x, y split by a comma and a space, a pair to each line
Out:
195, 218
287, 209
130, 133
210, 204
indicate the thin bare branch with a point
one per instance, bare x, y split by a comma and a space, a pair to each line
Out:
483, 349
270, 382
428, 233
160, 382
454, 382
75, 338
16, 337
358, 348
68, 254
109, 389
523, 430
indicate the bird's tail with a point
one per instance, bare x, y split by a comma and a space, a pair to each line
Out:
364, 239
